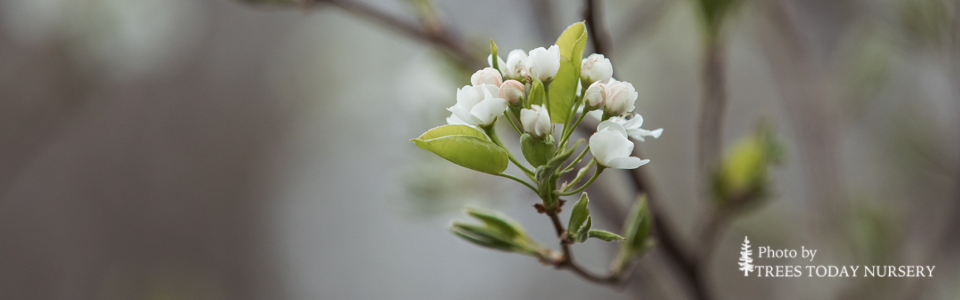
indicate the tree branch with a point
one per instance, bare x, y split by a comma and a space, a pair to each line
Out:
566, 262
598, 32
440, 37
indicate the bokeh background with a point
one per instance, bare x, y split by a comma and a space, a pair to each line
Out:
181, 149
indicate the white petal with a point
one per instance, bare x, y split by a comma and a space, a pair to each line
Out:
613, 126
454, 120
627, 162
634, 123
468, 96
488, 110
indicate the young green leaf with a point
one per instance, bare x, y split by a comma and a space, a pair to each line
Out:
465, 146
584, 231
563, 88
605, 235
637, 229
496, 220
493, 57
580, 213
536, 151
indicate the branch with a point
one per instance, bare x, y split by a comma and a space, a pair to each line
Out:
598, 32
439, 37
712, 106
566, 262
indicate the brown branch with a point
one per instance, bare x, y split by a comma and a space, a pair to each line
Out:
598, 32
566, 262
439, 37
712, 106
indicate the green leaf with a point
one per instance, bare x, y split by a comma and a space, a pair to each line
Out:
584, 231
465, 146
636, 229
493, 51
563, 88
605, 235
537, 95
580, 213
496, 220
536, 151
482, 236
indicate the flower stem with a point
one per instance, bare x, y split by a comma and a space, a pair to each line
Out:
493, 136
514, 178
575, 161
512, 123
585, 185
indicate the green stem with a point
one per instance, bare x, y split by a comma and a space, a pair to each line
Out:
585, 185
567, 135
493, 136
512, 124
514, 178
567, 129
583, 171
575, 160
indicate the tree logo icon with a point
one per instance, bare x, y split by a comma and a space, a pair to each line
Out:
746, 263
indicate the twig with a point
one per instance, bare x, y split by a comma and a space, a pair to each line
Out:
568, 263
598, 32
712, 106
440, 37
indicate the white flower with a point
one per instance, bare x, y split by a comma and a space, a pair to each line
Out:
611, 148
620, 98
594, 95
453, 120
486, 76
596, 68
477, 105
512, 90
632, 126
543, 64
536, 121
516, 65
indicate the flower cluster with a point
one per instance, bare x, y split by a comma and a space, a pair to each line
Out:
490, 96
545, 94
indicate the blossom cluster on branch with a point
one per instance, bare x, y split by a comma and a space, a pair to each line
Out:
544, 94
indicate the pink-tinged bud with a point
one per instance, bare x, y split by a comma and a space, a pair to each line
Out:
595, 95
487, 76
512, 90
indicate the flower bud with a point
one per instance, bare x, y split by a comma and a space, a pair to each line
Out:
596, 68
594, 96
487, 76
515, 67
543, 64
620, 98
512, 90
535, 121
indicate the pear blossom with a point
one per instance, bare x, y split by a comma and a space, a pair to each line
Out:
595, 95
536, 121
512, 90
620, 98
543, 64
453, 120
596, 68
611, 148
516, 65
632, 126
477, 105
486, 76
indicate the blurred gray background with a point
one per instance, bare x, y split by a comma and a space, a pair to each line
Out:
180, 149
